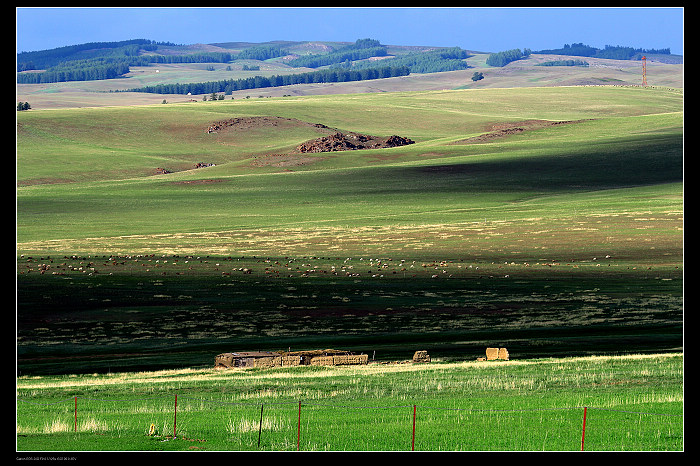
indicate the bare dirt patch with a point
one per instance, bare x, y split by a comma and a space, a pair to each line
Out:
500, 130
248, 123
282, 160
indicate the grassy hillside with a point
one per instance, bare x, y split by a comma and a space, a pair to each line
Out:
80, 163
495, 227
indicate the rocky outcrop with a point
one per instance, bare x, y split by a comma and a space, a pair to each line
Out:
351, 141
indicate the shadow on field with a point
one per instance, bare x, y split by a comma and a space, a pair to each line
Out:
656, 159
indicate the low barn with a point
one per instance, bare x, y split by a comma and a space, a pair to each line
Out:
241, 359
328, 357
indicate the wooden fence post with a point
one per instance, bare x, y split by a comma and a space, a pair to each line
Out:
413, 438
175, 418
583, 433
299, 426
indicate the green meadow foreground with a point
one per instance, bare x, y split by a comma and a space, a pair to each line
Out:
632, 403
545, 220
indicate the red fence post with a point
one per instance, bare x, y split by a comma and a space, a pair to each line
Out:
299, 426
583, 433
175, 418
413, 438
75, 413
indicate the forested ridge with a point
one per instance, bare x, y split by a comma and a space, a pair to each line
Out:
361, 49
257, 82
503, 58
613, 52
108, 60
433, 61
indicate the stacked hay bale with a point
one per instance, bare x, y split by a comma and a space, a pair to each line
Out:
350, 359
268, 362
291, 360
279, 361
493, 354
321, 361
421, 356
339, 360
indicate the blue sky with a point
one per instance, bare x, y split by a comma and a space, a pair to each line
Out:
478, 29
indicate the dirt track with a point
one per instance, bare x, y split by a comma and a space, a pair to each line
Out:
500, 130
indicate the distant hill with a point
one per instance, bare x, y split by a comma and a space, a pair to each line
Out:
615, 52
107, 60
107, 71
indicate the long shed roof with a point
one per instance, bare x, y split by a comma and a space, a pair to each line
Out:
267, 354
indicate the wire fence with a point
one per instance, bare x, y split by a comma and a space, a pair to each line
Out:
310, 425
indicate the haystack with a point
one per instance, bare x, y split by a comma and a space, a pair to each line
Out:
421, 356
493, 354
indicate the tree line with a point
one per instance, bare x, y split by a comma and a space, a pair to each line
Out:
564, 63
257, 82
108, 68
81, 70
615, 52
433, 61
262, 52
43, 59
108, 60
501, 59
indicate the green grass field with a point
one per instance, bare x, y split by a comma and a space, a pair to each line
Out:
75, 166
633, 403
553, 240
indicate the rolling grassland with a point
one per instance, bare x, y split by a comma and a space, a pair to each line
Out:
496, 228
519, 74
548, 220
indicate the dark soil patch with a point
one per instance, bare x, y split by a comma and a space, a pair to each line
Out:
351, 141
499, 130
248, 123
338, 141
